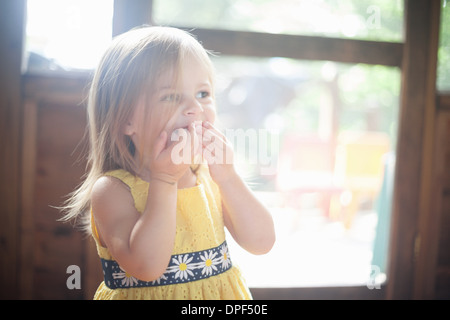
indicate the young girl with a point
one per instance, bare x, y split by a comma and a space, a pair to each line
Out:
157, 219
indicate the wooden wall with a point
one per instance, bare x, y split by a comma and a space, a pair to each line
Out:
11, 31
54, 145
441, 202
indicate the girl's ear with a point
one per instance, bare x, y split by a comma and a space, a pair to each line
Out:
134, 121
129, 128
131, 125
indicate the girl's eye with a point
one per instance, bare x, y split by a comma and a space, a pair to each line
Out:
202, 95
171, 98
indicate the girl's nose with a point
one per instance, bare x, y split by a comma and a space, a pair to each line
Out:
193, 107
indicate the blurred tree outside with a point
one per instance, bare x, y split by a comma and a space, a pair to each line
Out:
307, 98
361, 19
443, 78
368, 95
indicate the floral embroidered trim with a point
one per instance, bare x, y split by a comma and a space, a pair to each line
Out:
182, 268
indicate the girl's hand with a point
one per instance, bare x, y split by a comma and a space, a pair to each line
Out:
168, 162
218, 153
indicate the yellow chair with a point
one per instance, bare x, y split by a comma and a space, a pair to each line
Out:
359, 170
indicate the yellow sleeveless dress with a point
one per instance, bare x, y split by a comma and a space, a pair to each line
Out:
200, 267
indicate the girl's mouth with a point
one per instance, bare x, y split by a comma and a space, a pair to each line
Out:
197, 124
176, 133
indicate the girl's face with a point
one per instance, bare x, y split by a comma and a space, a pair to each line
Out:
192, 96
189, 99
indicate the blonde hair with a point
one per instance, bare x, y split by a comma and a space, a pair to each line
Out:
126, 74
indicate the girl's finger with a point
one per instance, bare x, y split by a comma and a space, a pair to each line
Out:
217, 150
209, 156
160, 143
210, 131
212, 140
194, 140
216, 131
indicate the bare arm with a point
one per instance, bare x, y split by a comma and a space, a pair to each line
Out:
247, 219
141, 243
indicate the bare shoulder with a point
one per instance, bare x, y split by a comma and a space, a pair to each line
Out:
113, 208
109, 189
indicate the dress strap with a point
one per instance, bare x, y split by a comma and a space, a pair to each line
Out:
94, 228
186, 267
134, 183
122, 175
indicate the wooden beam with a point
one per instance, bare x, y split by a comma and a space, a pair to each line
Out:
130, 14
319, 293
429, 215
27, 235
433, 271
443, 101
12, 18
58, 88
414, 138
299, 47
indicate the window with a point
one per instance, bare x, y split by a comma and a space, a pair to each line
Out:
329, 193
67, 34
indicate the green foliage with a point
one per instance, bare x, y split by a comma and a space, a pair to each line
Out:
443, 71
362, 19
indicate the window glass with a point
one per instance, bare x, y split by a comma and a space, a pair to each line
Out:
67, 34
443, 78
360, 19
320, 138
